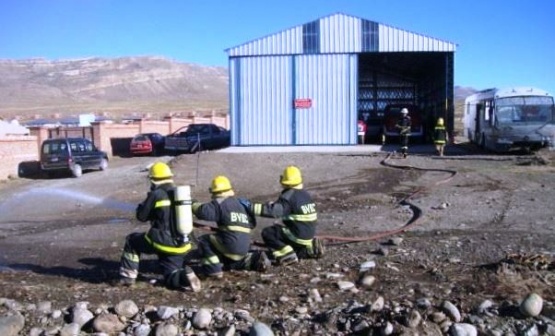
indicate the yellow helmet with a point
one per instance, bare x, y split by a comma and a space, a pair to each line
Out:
220, 184
440, 122
291, 176
160, 170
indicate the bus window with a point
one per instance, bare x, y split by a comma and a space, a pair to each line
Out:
490, 115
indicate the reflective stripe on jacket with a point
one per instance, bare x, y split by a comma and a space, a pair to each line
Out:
296, 209
234, 224
157, 208
440, 135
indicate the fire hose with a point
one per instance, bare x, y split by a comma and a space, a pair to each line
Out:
415, 219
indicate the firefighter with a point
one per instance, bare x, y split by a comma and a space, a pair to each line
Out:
440, 136
162, 239
296, 238
228, 248
404, 124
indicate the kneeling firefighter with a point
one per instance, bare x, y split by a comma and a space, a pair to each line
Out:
229, 247
296, 238
168, 236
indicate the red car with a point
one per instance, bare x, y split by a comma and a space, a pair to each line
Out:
147, 144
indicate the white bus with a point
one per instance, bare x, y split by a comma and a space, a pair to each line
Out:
502, 119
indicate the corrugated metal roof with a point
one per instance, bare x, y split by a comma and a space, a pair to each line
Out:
341, 33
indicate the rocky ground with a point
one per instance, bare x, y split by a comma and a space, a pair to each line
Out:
479, 259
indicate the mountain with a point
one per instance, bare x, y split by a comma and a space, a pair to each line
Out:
120, 85
462, 92
127, 85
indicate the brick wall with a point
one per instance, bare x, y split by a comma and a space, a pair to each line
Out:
22, 152
108, 135
17, 152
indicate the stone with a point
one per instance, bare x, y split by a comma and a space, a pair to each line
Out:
367, 281
462, 329
81, 316
451, 310
127, 308
11, 325
202, 318
532, 305
108, 323
260, 329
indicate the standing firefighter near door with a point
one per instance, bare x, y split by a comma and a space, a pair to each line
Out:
404, 124
295, 239
168, 209
440, 136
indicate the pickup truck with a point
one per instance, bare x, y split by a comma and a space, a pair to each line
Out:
197, 137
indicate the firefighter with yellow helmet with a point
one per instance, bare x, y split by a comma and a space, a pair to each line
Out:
440, 136
296, 238
228, 248
163, 239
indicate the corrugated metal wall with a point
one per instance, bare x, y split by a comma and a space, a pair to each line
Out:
340, 33
263, 94
395, 39
289, 41
318, 61
261, 100
330, 82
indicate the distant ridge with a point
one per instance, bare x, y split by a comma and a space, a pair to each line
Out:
119, 85
462, 92
140, 85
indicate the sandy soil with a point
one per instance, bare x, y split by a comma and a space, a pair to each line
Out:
60, 239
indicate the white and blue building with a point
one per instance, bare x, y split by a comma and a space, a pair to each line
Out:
309, 84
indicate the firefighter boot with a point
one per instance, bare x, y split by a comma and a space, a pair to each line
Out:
125, 282
318, 248
288, 259
263, 263
256, 261
192, 279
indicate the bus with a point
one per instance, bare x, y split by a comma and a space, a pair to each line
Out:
503, 119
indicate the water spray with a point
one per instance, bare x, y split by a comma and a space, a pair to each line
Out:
75, 196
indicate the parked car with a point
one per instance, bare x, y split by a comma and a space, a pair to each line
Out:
197, 137
147, 144
73, 155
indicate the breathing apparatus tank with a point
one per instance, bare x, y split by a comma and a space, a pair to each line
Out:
183, 211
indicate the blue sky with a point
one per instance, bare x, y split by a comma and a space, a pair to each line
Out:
500, 43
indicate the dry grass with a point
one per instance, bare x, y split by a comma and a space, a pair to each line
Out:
514, 282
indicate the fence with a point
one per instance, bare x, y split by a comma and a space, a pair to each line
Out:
19, 154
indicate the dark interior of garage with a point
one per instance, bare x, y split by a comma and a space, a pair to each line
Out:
421, 81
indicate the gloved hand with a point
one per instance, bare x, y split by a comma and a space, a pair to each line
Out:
245, 202
195, 205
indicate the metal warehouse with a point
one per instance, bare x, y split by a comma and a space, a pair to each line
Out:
310, 84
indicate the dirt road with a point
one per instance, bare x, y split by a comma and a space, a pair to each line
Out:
60, 239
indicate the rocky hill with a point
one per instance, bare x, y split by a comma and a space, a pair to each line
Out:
153, 85
128, 84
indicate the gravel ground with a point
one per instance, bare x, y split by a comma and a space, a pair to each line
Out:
484, 218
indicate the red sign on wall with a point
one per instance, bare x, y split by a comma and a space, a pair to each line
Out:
302, 103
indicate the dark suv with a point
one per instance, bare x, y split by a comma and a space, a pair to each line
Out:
73, 155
